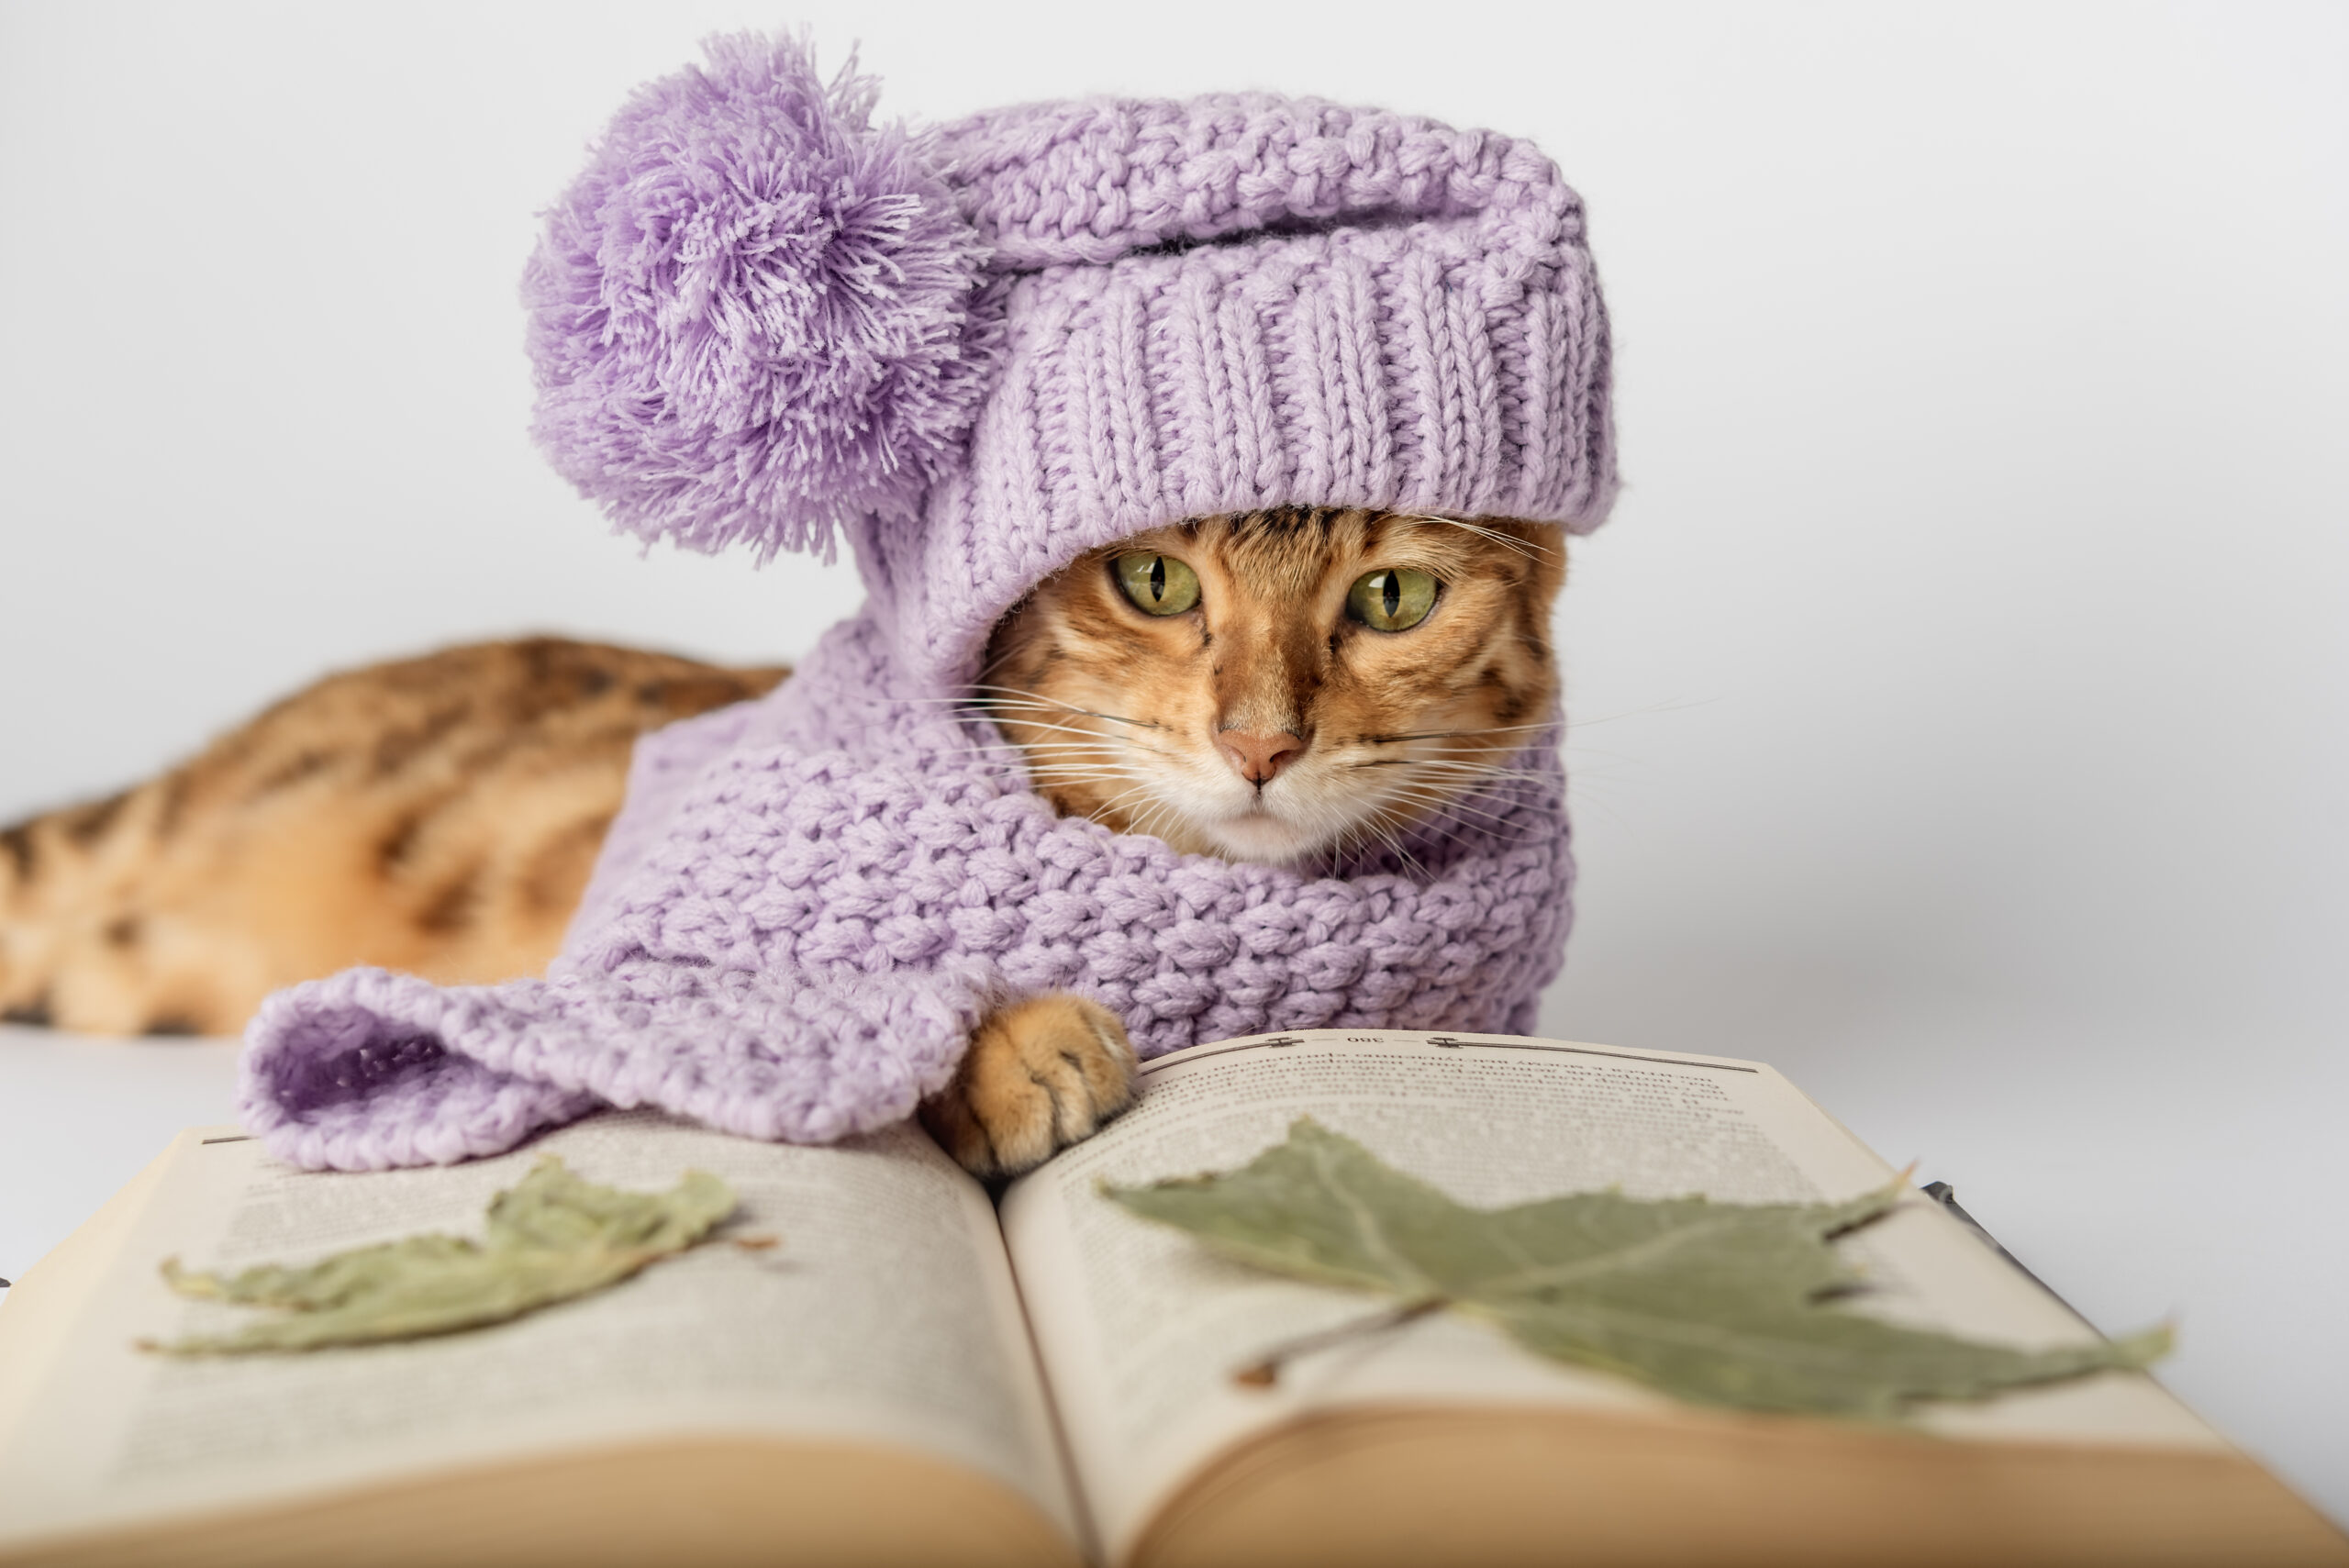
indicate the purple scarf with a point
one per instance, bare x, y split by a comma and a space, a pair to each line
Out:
810, 901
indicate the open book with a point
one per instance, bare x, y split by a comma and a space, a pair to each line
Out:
920, 1375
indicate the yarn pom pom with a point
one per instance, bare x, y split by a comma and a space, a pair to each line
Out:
751, 314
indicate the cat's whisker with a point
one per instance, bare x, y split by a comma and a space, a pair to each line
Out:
1138, 786
1446, 786
1130, 749
1027, 705
1137, 819
1063, 728
1452, 833
1063, 736
1111, 766
1046, 731
1015, 748
1392, 835
1479, 769
1467, 785
1673, 707
1433, 792
1456, 767
1588, 757
1052, 735
1422, 795
1526, 548
1480, 764
1444, 764
1153, 808
1018, 696
1451, 775
1104, 767
1503, 748
1452, 734
1028, 723
1144, 817
1582, 797
1036, 763
1450, 804
1105, 748
1078, 767
1338, 851
1387, 823
1029, 726
1394, 842
1076, 772
1386, 833
1078, 729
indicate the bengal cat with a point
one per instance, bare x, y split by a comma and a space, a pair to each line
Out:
1282, 686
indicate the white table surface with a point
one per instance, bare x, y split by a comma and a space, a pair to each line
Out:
2237, 1228
81, 1116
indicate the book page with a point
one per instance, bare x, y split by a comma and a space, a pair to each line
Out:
886, 1317
38, 1315
1140, 1328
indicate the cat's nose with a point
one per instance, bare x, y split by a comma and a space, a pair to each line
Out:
1259, 756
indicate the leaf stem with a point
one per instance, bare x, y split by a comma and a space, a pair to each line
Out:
1265, 1370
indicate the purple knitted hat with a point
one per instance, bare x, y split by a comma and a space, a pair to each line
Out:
986, 348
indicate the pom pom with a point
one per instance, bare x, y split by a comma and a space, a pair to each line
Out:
750, 317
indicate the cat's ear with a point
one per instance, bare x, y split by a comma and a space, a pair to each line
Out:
752, 315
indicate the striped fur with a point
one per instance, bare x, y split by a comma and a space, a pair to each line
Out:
437, 815
1126, 717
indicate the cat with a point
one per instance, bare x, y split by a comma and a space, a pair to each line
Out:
1288, 686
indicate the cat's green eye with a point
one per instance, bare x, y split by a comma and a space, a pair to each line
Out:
1392, 598
1158, 584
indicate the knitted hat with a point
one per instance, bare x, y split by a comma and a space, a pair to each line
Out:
983, 349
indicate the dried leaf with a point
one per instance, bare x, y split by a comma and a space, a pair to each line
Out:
1723, 1303
552, 1237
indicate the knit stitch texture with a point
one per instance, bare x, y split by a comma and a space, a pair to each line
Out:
1245, 301
982, 351
838, 897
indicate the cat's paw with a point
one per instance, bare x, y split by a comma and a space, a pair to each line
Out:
1039, 1074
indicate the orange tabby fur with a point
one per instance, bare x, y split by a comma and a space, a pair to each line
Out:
1039, 1074
1127, 718
441, 815
436, 815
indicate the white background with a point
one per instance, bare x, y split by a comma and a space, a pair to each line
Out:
1958, 687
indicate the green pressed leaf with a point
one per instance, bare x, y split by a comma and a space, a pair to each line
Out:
1723, 1303
549, 1238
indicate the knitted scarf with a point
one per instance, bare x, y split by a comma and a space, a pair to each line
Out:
809, 902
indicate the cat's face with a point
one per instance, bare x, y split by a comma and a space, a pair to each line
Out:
1283, 686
